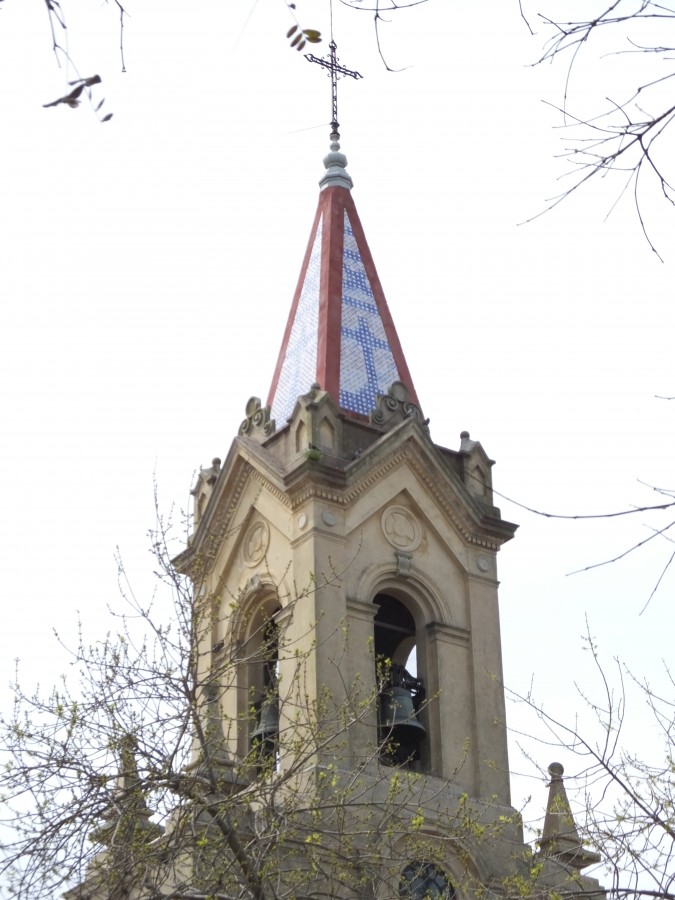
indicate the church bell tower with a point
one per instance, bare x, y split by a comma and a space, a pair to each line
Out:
345, 572
341, 726
348, 565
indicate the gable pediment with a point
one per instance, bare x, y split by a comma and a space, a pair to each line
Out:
403, 458
406, 459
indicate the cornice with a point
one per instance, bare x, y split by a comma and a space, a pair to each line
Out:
216, 522
474, 533
307, 481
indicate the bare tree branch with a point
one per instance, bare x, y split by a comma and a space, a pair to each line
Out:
626, 135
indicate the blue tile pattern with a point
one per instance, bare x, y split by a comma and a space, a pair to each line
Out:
298, 371
367, 364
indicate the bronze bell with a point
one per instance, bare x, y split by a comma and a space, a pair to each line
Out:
267, 730
398, 720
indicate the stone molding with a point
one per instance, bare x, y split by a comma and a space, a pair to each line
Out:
361, 609
448, 634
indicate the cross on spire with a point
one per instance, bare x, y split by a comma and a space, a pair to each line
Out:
335, 71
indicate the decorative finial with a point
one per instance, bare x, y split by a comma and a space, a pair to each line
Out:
335, 162
555, 770
467, 444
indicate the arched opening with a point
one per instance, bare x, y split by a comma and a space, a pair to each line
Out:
265, 735
401, 691
327, 433
300, 437
261, 663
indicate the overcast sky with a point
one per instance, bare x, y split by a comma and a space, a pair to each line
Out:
148, 266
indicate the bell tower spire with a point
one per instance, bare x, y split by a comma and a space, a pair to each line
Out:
340, 333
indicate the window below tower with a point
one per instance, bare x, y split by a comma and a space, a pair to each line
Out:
424, 881
401, 734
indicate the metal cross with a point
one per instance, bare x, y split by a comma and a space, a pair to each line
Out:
335, 71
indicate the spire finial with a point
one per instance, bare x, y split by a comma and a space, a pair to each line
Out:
336, 70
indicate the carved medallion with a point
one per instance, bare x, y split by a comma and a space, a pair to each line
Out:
401, 528
256, 543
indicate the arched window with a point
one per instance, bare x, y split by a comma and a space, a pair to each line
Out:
401, 692
425, 881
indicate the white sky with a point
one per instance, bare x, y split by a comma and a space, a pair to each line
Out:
148, 267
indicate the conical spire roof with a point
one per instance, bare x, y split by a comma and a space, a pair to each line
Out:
560, 837
340, 334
